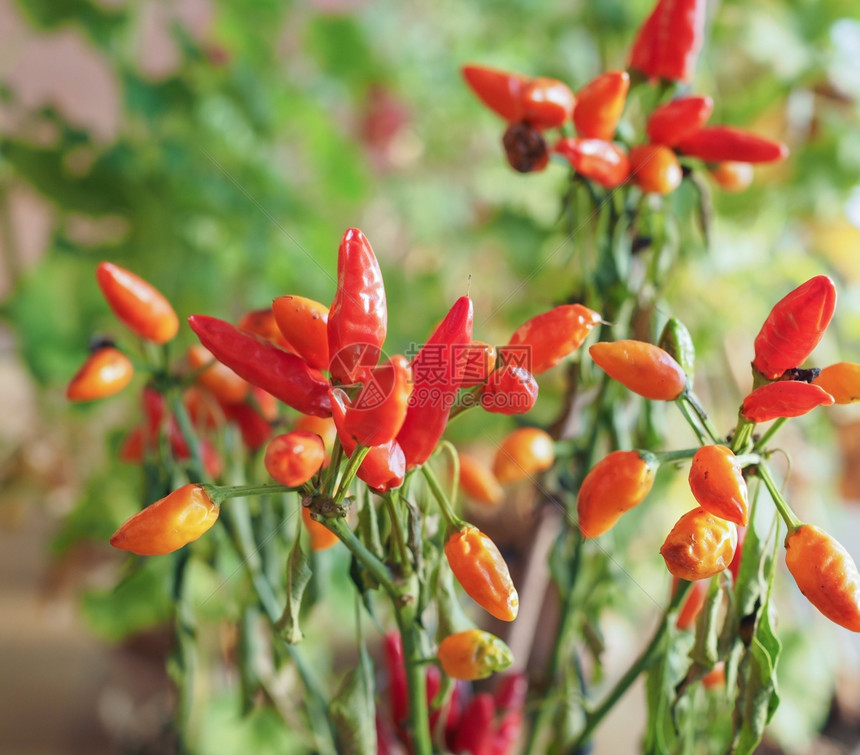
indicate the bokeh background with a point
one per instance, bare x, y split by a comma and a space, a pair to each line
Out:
219, 148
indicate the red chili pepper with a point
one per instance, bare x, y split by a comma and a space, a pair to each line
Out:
398, 695
668, 42
603, 162
507, 733
262, 322
551, 336
714, 144
794, 327
480, 569
286, 376
525, 148
168, 524
215, 377
500, 91
294, 458
699, 546
693, 603
322, 538
735, 565
522, 453
478, 482
599, 105
475, 733
642, 367
106, 372
547, 103
378, 412
671, 123
304, 325
137, 303
253, 426
655, 169
842, 381
509, 390
787, 398
358, 317
324, 427
437, 374
825, 573
717, 483
616, 484
384, 467
732, 176
473, 654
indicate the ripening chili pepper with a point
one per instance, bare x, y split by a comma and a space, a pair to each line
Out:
105, 372
286, 376
677, 342
699, 546
599, 105
436, 378
480, 569
137, 303
547, 103
642, 367
655, 169
304, 325
735, 565
600, 161
294, 458
500, 91
474, 735
794, 327
166, 525
478, 482
322, 426
262, 322
479, 361
509, 390
522, 453
474, 654
203, 409
617, 483
825, 573
377, 413
217, 378
384, 467
715, 144
786, 398
693, 603
732, 175
842, 381
254, 428
668, 43
716, 677
525, 148
549, 337
672, 122
358, 317
322, 538
717, 482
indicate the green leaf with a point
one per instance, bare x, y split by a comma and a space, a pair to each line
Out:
298, 575
353, 710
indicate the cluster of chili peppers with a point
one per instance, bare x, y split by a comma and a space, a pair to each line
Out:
674, 132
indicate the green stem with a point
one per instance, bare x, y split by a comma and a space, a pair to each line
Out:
788, 516
350, 472
416, 683
331, 470
397, 533
454, 521
769, 433
594, 716
692, 419
368, 560
668, 457
448, 447
187, 430
743, 435
696, 405
221, 493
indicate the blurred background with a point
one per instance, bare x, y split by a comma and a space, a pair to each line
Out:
219, 148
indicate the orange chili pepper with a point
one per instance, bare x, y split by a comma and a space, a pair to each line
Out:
322, 538
825, 573
718, 484
304, 325
842, 381
547, 103
616, 484
524, 452
699, 546
787, 398
599, 105
168, 524
473, 654
655, 169
642, 367
137, 303
732, 175
478, 482
482, 572
217, 378
598, 160
106, 372
293, 458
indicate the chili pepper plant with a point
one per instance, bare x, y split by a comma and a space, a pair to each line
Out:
291, 433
